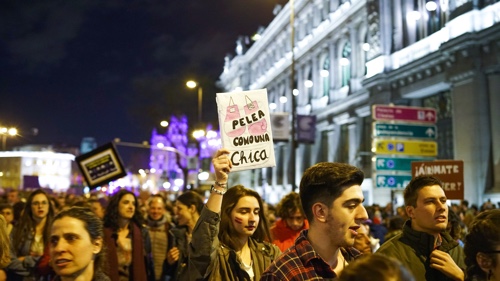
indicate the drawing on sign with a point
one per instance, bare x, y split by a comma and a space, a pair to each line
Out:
390, 164
390, 146
400, 147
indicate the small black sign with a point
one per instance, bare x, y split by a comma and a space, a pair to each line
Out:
101, 165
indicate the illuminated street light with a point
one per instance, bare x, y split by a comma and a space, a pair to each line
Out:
7, 132
192, 84
164, 123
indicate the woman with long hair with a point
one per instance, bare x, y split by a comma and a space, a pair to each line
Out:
241, 250
30, 236
76, 246
482, 247
188, 207
127, 240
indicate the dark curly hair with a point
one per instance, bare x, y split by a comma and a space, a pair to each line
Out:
288, 205
112, 215
483, 237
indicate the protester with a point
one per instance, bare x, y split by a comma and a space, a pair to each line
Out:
424, 246
7, 211
240, 250
159, 227
76, 246
291, 222
376, 267
29, 237
97, 207
332, 199
396, 224
127, 241
13, 197
4, 248
482, 247
188, 207
362, 242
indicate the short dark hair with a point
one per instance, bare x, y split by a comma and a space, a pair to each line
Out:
410, 193
326, 181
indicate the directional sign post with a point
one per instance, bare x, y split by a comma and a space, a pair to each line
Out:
392, 181
405, 147
404, 113
405, 131
395, 164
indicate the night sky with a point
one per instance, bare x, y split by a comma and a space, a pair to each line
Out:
114, 69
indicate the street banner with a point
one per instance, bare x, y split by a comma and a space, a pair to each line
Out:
101, 165
306, 128
404, 113
245, 128
450, 172
281, 126
405, 147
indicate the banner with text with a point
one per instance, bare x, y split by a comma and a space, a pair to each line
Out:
245, 128
306, 128
281, 126
450, 172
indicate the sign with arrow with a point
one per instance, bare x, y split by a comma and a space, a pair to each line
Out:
405, 131
404, 113
395, 164
392, 181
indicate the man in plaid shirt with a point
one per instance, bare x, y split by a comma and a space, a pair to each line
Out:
332, 199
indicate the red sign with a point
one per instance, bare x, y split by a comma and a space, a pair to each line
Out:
450, 172
404, 113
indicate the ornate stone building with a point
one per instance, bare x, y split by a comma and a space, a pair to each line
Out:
350, 55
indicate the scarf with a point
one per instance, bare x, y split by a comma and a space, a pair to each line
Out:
156, 223
138, 266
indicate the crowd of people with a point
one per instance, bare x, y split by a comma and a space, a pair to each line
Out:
323, 232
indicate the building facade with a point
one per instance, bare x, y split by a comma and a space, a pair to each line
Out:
349, 55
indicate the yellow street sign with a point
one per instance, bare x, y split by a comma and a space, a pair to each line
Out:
405, 147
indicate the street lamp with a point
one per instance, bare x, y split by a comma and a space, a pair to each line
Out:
192, 84
7, 132
292, 85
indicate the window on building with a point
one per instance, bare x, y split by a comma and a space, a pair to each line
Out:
442, 103
345, 64
364, 155
323, 151
325, 76
343, 148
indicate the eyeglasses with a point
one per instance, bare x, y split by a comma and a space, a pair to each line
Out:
36, 204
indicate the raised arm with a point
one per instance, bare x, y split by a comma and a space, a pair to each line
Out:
222, 165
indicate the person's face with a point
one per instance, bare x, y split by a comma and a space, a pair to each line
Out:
431, 212
97, 208
40, 206
8, 214
156, 209
245, 216
184, 213
126, 206
362, 240
345, 216
13, 197
295, 221
71, 248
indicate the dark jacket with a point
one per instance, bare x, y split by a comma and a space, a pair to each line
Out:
99, 276
177, 238
413, 248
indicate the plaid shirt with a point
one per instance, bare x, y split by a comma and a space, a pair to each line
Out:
301, 262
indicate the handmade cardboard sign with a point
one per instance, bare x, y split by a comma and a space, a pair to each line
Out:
245, 128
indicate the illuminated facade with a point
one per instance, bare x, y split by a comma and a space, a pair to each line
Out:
51, 170
350, 55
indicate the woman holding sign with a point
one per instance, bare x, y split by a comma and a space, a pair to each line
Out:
242, 248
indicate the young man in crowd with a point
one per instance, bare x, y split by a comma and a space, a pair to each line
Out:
332, 199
